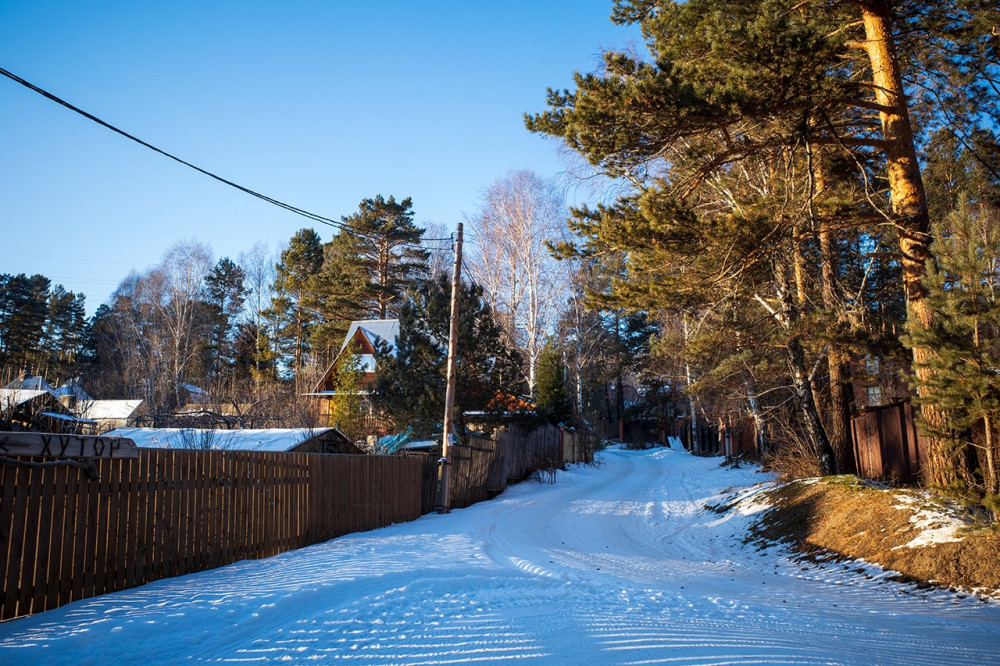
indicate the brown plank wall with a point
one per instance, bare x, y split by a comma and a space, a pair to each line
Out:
888, 445
65, 537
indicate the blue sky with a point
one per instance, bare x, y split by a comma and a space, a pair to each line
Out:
318, 104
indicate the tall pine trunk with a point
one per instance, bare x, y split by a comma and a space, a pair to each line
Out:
909, 206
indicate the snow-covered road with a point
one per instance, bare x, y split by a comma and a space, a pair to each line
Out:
612, 565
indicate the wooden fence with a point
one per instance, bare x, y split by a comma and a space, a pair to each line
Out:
65, 537
483, 468
169, 512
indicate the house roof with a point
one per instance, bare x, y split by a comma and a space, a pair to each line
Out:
30, 384
373, 330
12, 397
73, 388
107, 409
271, 439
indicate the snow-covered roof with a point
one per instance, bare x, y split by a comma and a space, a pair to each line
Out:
12, 397
73, 388
374, 330
30, 384
270, 439
68, 417
107, 409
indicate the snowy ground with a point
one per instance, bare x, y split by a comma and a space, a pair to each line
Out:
612, 565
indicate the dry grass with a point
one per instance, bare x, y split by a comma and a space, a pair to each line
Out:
853, 519
791, 459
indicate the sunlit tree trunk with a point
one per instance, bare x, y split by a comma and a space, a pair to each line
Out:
909, 204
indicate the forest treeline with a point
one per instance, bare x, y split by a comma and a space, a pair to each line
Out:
254, 334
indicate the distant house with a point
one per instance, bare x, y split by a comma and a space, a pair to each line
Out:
194, 394
365, 340
71, 392
38, 411
25, 383
297, 440
109, 414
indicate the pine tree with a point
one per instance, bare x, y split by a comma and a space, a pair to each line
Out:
225, 294
552, 397
65, 330
24, 312
748, 88
346, 410
411, 380
291, 307
379, 253
964, 286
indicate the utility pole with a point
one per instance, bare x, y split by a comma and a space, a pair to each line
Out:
444, 464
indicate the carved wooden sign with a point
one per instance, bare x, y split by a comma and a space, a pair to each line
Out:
51, 445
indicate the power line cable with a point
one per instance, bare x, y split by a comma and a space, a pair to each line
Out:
294, 209
246, 190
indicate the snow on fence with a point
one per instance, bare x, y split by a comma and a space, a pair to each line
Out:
65, 536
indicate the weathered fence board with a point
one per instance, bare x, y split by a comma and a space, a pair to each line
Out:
64, 536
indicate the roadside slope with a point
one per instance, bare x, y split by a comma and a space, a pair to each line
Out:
913, 533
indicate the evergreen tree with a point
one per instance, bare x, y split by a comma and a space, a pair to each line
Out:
24, 311
964, 286
338, 292
225, 294
411, 379
760, 92
380, 256
552, 401
346, 410
65, 330
292, 307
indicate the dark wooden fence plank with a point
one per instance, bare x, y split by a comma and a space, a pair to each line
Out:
29, 550
71, 507
887, 445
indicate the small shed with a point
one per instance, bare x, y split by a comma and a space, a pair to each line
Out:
110, 414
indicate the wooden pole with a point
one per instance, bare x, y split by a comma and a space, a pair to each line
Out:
444, 464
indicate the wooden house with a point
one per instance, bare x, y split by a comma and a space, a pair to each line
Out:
38, 411
365, 340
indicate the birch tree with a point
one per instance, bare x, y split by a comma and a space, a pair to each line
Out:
181, 275
518, 215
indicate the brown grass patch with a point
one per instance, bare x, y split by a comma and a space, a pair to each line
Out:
852, 520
